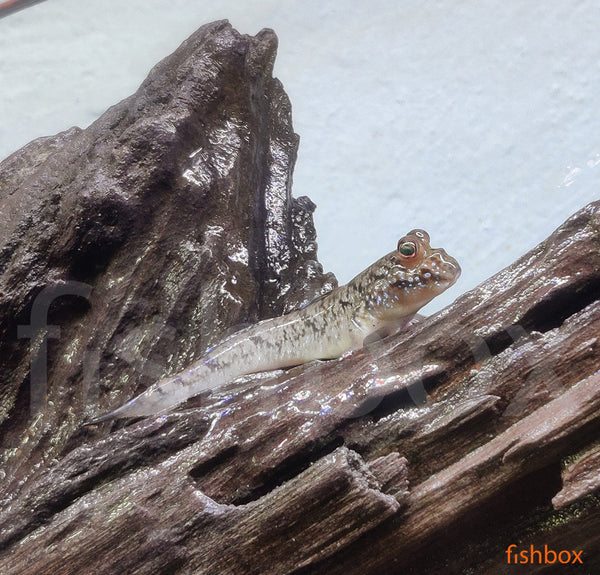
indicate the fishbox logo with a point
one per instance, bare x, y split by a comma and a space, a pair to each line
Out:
548, 557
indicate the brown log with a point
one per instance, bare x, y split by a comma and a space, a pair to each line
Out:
428, 452
10, 6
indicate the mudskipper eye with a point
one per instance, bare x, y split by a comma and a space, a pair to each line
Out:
407, 249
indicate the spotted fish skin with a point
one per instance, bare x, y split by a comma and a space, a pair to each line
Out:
379, 301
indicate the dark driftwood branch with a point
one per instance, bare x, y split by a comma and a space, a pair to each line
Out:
428, 452
10, 6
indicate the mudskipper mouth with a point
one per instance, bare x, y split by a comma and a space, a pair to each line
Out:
444, 268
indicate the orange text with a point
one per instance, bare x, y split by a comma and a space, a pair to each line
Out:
545, 556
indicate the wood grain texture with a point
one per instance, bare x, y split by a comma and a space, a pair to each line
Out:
427, 452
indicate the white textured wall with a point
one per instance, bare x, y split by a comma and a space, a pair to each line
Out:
477, 120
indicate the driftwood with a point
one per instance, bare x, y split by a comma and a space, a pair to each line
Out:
428, 452
11, 6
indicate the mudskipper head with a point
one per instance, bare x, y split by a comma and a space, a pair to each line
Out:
410, 277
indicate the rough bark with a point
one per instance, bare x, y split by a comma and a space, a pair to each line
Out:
428, 452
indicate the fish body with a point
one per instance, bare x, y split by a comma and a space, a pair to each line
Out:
378, 302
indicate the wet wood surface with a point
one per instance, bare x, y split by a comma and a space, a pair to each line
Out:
427, 452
